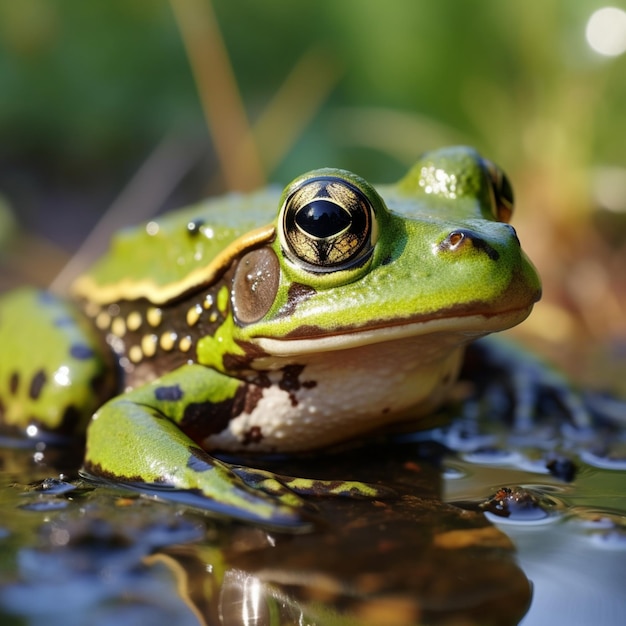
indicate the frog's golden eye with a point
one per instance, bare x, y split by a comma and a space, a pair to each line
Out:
503, 200
328, 224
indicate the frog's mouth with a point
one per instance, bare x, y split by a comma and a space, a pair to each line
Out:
456, 323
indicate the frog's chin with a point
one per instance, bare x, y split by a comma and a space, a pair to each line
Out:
459, 329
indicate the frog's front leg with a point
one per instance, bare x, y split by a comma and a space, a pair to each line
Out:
136, 439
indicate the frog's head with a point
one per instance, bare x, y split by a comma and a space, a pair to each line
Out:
347, 265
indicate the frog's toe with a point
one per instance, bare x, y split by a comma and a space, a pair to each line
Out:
255, 508
238, 502
289, 488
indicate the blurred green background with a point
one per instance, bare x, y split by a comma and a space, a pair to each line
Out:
186, 98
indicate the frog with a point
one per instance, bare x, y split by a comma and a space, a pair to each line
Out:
271, 322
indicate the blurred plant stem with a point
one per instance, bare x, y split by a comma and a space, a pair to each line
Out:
219, 94
248, 153
294, 104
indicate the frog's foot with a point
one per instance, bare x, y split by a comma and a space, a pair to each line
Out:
134, 446
286, 487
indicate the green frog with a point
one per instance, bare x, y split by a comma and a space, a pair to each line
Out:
272, 322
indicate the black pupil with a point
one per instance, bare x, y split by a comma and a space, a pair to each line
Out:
322, 219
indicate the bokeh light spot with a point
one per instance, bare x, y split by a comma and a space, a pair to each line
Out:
606, 31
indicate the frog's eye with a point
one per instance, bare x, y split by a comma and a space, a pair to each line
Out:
503, 200
328, 224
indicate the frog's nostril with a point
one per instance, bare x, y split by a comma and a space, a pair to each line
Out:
462, 238
455, 239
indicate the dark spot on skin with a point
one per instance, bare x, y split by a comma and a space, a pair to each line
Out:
202, 419
262, 380
36, 384
234, 362
199, 460
253, 396
169, 394
291, 382
237, 362
254, 435
194, 226
387, 260
14, 383
386, 410
296, 294
81, 352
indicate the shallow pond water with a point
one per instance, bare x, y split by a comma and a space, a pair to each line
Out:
493, 533
575, 557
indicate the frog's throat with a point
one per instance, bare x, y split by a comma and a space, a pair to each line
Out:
463, 328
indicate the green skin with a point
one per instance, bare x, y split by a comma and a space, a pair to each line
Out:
222, 340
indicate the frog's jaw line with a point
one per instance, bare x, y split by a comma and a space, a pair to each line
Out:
467, 327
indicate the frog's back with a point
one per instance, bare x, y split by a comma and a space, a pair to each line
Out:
163, 258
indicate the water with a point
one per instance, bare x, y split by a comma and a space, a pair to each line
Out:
75, 554
576, 556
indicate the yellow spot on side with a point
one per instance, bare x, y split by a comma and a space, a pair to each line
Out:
213, 317
222, 300
135, 354
193, 315
103, 320
118, 327
149, 344
208, 302
184, 344
168, 340
133, 321
154, 316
